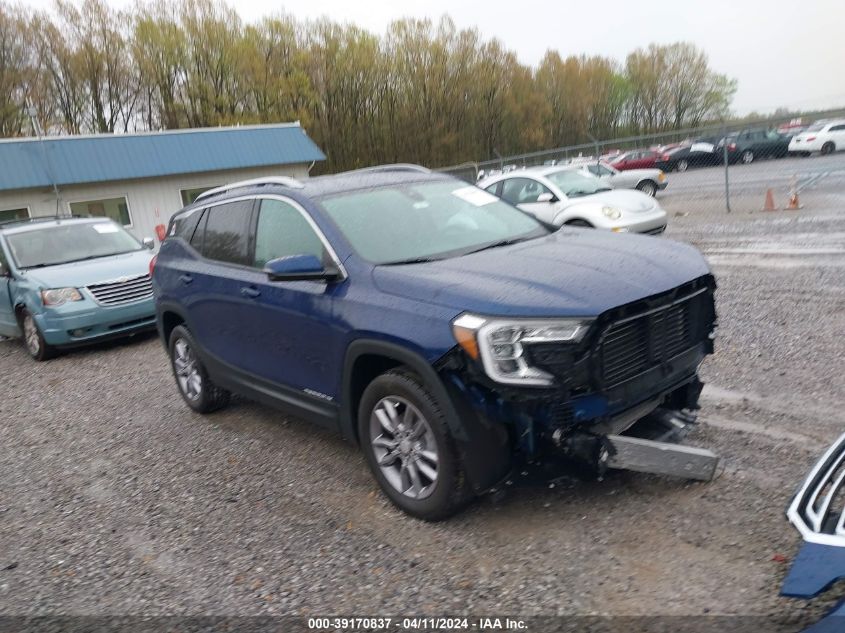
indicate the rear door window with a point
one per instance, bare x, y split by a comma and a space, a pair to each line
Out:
227, 230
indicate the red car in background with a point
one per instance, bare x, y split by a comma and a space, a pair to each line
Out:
635, 159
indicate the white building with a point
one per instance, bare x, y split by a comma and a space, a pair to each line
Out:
140, 180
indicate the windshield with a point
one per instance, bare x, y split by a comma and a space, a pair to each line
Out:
426, 221
575, 184
64, 243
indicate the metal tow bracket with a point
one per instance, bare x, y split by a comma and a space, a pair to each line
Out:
661, 458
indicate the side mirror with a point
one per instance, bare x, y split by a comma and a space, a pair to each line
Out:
299, 268
149, 243
547, 197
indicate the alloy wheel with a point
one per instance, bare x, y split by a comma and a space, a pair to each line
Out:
648, 189
187, 371
404, 447
747, 157
683, 165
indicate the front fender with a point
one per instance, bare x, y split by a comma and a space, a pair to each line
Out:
485, 452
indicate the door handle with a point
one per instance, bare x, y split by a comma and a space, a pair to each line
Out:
185, 279
252, 293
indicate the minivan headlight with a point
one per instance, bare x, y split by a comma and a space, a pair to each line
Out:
500, 344
58, 296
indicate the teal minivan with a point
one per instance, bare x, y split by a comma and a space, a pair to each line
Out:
66, 282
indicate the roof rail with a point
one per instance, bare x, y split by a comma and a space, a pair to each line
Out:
394, 167
284, 181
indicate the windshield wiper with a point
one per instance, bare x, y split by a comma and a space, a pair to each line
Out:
507, 242
413, 260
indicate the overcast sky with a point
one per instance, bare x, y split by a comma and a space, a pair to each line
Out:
782, 52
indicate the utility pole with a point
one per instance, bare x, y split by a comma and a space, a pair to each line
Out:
36, 127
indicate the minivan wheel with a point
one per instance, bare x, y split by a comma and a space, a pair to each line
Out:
409, 448
828, 148
747, 157
648, 188
197, 389
33, 339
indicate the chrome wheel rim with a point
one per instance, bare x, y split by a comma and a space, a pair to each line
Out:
682, 166
404, 447
648, 189
187, 371
30, 332
747, 157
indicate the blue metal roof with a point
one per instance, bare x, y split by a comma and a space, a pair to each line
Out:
28, 163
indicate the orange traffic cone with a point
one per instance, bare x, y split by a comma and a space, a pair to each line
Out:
769, 204
794, 203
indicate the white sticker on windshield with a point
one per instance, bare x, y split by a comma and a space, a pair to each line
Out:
105, 228
475, 196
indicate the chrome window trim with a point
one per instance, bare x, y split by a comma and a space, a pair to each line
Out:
344, 275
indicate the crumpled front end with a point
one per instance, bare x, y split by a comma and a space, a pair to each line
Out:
636, 372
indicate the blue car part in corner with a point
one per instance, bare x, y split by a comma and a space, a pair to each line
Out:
818, 512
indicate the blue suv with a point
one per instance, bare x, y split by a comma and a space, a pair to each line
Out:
456, 339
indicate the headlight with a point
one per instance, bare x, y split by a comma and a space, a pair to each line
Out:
58, 296
612, 212
500, 344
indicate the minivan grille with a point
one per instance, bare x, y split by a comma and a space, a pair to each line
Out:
641, 342
122, 291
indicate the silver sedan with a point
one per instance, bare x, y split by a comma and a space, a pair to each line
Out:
559, 195
649, 181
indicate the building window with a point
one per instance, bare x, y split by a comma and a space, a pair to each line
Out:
114, 208
189, 195
8, 215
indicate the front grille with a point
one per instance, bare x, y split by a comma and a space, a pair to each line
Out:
122, 291
641, 342
818, 509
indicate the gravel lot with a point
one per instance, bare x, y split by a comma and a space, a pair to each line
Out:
117, 499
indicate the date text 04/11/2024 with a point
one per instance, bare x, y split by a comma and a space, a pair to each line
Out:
417, 624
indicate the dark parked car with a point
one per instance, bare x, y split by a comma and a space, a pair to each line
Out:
749, 145
702, 152
453, 337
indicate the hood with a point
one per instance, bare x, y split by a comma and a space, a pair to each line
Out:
92, 271
625, 199
573, 272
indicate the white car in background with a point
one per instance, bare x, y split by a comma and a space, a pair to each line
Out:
649, 181
825, 137
564, 194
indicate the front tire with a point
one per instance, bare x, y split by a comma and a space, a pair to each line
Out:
34, 340
648, 187
197, 389
582, 223
409, 448
682, 165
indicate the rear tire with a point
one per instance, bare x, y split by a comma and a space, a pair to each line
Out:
197, 389
409, 447
828, 148
34, 340
648, 187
